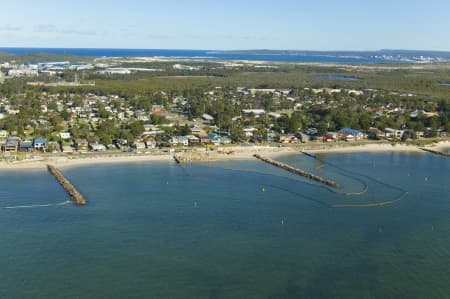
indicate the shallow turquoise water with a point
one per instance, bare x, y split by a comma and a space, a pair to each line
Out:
239, 229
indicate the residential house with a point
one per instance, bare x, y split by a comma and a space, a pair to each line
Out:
274, 115
197, 130
204, 139
120, 142
254, 91
255, 112
290, 138
393, 133
375, 133
64, 135
349, 134
67, 149
26, 146
81, 144
139, 144
143, 116
11, 144
303, 137
249, 131
224, 140
96, 147
272, 137
348, 137
214, 138
312, 132
179, 140
158, 109
39, 144
193, 140
150, 142
207, 117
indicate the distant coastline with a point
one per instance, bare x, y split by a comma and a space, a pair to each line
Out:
358, 57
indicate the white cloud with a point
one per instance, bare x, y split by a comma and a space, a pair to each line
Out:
159, 36
50, 28
78, 32
10, 28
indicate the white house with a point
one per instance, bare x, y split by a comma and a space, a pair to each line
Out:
64, 135
249, 131
392, 133
256, 112
115, 71
67, 149
175, 140
98, 147
207, 117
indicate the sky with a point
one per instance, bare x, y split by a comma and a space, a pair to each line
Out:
227, 24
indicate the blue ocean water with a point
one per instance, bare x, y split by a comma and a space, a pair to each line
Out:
205, 54
230, 229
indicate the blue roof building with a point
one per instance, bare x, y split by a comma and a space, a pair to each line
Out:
39, 143
350, 131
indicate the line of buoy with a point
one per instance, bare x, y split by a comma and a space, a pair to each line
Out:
370, 205
298, 171
376, 204
340, 170
65, 183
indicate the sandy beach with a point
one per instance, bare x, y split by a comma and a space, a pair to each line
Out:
64, 162
223, 154
443, 146
372, 148
233, 153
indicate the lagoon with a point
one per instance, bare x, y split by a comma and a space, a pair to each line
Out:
339, 78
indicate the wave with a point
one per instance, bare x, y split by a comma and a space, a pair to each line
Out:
37, 205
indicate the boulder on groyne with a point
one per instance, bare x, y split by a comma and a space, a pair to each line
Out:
435, 152
77, 198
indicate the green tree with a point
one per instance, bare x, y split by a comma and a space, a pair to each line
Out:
136, 128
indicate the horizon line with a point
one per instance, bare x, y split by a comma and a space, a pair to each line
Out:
224, 50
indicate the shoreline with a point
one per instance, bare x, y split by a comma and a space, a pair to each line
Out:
238, 153
369, 148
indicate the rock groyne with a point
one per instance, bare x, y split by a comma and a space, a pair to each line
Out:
435, 152
298, 171
177, 160
77, 198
